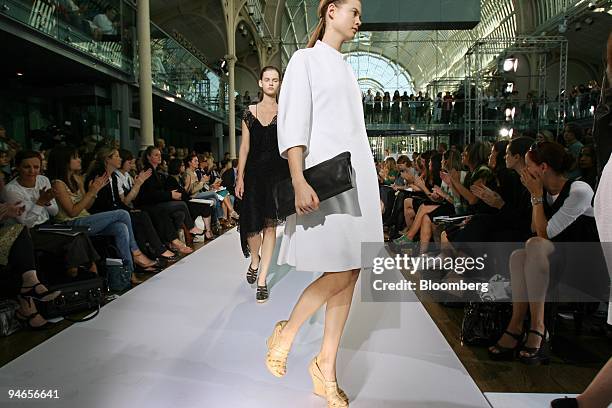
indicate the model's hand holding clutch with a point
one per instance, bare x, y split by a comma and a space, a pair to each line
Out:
306, 200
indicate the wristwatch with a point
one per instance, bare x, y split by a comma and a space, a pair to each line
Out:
536, 200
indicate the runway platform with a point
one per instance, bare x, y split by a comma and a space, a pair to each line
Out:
193, 336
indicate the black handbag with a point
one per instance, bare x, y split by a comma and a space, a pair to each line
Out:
76, 297
327, 179
484, 322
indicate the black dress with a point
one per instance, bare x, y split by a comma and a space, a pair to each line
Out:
264, 167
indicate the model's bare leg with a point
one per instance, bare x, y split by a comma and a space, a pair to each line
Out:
267, 249
336, 314
315, 295
254, 246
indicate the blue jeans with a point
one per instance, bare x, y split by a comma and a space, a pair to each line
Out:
211, 195
116, 223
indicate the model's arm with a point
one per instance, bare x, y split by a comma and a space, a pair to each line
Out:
306, 200
242, 158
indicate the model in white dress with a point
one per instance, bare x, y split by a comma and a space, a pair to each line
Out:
320, 115
319, 84
603, 209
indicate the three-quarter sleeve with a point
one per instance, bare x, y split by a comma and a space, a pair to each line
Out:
578, 202
294, 121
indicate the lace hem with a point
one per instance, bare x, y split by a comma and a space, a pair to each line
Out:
244, 236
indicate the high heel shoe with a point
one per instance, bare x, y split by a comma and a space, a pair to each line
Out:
26, 321
276, 359
320, 384
505, 353
536, 355
45, 296
336, 398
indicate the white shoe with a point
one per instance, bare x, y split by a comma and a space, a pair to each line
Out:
199, 238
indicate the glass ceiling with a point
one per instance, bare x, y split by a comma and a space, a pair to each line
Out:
422, 56
379, 73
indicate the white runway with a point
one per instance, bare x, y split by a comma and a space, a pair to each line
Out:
193, 336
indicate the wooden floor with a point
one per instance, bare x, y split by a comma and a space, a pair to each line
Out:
576, 359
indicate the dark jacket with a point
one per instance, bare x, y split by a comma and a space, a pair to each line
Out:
153, 190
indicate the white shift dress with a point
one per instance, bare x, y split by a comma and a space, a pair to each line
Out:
320, 108
603, 218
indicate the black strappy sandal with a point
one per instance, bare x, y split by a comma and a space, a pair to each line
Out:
252, 275
26, 321
45, 296
262, 294
536, 355
506, 353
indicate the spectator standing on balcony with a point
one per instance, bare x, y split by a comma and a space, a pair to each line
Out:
369, 106
447, 108
105, 22
386, 107
405, 108
377, 108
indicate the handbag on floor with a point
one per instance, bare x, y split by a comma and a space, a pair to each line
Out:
327, 179
117, 275
8, 323
76, 297
484, 322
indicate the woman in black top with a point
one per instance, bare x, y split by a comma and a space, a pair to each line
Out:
512, 221
158, 202
561, 212
111, 197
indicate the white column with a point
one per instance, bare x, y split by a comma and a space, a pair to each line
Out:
231, 60
146, 87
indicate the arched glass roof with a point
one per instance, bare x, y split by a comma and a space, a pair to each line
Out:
379, 73
423, 55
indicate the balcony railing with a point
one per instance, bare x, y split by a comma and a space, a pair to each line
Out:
175, 71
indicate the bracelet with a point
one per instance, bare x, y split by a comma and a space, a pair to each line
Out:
537, 200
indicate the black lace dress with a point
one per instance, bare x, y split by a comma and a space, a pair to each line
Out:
264, 167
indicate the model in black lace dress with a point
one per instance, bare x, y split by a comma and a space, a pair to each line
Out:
260, 167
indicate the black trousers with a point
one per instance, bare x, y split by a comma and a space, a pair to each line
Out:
168, 217
146, 235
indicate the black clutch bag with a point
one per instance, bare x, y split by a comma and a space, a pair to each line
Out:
328, 179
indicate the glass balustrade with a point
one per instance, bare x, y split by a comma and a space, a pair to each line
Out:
107, 32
